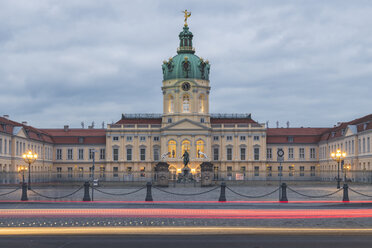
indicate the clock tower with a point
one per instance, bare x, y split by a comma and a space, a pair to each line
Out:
186, 84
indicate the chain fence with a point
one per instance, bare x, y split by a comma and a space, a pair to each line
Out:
117, 194
359, 193
57, 197
186, 194
314, 196
251, 196
8, 193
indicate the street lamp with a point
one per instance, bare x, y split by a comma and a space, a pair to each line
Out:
29, 158
22, 169
347, 167
338, 157
93, 151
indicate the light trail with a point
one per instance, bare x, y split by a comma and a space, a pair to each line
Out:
191, 213
46, 231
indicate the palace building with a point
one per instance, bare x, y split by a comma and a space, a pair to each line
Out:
239, 147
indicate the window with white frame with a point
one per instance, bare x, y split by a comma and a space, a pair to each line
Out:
256, 138
143, 154
229, 138
142, 138
129, 154
215, 138
81, 154
302, 153
269, 153
156, 138
115, 154
352, 147
115, 138
364, 145
290, 153
102, 153
229, 153
312, 153
256, 151
129, 138
1, 146
368, 145
242, 153
215, 153
242, 138
156, 153
58, 154
91, 153
69, 154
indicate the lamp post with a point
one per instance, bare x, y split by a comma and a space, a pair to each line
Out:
93, 151
22, 169
338, 157
29, 158
347, 167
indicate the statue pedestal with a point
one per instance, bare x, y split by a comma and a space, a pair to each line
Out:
206, 174
162, 174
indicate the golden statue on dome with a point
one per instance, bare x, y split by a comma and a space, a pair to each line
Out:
187, 15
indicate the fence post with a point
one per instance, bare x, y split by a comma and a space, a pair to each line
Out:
24, 192
283, 189
148, 192
86, 191
345, 198
223, 193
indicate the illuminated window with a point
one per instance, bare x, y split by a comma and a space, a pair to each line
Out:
185, 146
199, 147
186, 103
201, 103
172, 148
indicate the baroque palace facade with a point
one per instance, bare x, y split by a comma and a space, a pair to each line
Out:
238, 147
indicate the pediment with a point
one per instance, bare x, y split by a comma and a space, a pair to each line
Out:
186, 124
19, 132
351, 130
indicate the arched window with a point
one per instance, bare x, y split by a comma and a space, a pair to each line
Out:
185, 146
201, 104
170, 104
199, 147
172, 148
186, 103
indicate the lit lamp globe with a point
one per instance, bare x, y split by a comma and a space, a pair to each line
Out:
29, 158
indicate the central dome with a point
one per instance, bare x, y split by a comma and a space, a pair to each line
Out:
185, 64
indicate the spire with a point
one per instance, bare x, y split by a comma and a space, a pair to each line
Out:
186, 37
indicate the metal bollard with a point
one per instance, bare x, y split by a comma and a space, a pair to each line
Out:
86, 192
24, 192
223, 193
345, 198
148, 192
283, 189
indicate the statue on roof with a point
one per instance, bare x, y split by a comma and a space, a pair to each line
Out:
187, 15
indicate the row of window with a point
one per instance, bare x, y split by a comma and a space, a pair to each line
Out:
6, 145
186, 104
129, 154
81, 151
290, 152
7, 149
364, 146
230, 138
229, 153
130, 138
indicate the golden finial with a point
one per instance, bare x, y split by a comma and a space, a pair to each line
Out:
187, 15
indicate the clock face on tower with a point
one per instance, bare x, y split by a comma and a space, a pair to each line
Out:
186, 86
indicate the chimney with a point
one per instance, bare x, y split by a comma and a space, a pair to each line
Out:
65, 128
24, 123
6, 116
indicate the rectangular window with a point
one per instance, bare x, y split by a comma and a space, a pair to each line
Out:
143, 154
1, 146
81, 171
59, 172
290, 153
156, 154
115, 138
115, 154
5, 145
269, 169
269, 153
102, 153
302, 153
312, 171
81, 154
302, 171
215, 138
229, 153
291, 170
290, 139
215, 153
69, 172
202, 120
256, 153
256, 138
142, 138
17, 149
242, 138
59, 154
156, 138
229, 138
115, 171
280, 171
256, 171
129, 138
364, 145
129, 154
242, 153
69, 154
352, 147
169, 120
91, 153
312, 153
359, 146
368, 145
229, 172
142, 172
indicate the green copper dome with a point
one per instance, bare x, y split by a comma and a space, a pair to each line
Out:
185, 64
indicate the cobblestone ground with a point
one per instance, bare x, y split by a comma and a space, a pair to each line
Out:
179, 193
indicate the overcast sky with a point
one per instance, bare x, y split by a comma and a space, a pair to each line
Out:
64, 62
